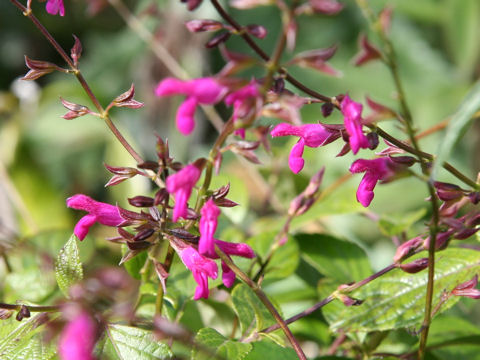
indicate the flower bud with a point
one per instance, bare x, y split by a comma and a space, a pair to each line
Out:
467, 289
24, 312
407, 248
415, 266
217, 40
447, 192
373, 141
141, 201
327, 109
76, 50
256, 30
203, 25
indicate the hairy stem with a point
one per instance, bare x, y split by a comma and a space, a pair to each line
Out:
31, 308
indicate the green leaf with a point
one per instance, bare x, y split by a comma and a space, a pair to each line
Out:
397, 299
457, 126
122, 342
219, 345
265, 349
68, 268
391, 225
285, 259
338, 259
250, 310
23, 340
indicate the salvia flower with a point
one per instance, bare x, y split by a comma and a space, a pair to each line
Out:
352, 113
77, 339
246, 103
201, 267
208, 224
206, 91
375, 170
100, 212
55, 7
311, 135
181, 185
468, 289
232, 249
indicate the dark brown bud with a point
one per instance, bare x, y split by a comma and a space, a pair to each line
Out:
141, 201
160, 196
150, 165
415, 266
327, 109
217, 40
474, 197
23, 313
373, 141
143, 235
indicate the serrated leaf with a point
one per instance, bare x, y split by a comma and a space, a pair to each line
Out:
265, 349
457, 126
68, 267
391, 225
218, 345
250, 310
22, 340
397, 299
340, 260
125, 342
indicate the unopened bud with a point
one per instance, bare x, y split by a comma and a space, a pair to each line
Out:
415, 266
76, 50
447, 192
474, 197
468, 289
141, 201
407, 248
327, 109
217, 40
203, 25
256, 30
373, 141
23, 313
143, 235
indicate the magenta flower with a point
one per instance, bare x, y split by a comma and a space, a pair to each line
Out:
77, 339
55, 7
232, 249
103, 213
201, 268
181, 184
246, 103
375, 170
352, 112
311, 135
206, 91
208, 224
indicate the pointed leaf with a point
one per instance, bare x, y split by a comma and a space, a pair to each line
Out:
124, 342
397, 299
68, 268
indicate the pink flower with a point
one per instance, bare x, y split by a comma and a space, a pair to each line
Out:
375, 170
201, 268
77, 339
311, 135
103, 213
206, 91
232, 249
208, 224
246, 103
468, 289
55, 7
352, 113
181, 184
